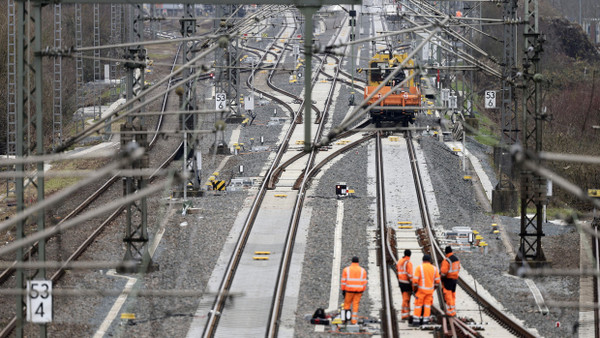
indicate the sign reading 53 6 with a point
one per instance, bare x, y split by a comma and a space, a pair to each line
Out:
220, 99
490, 99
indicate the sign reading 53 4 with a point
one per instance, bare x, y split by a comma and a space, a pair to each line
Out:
39, 301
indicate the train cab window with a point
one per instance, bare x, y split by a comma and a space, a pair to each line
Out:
378, 71
398, 78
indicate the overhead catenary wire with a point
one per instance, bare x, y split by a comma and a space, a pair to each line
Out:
64, 193
100, 123
149, 191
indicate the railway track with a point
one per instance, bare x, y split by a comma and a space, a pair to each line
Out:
94, 196
276, 199
498, 323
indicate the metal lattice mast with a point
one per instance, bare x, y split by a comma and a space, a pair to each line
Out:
504, 195
97, 70
79, 99
472, 10
508, 107
23, 21
120, 34
28, 101
533, 187
153, 22
226, 74
114, 39
189, 121
39, 136
136, 227
57, 124
11, 89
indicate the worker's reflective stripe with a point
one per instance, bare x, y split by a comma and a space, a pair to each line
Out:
423, 279
451, 267
404, 276
361, 279
354, 284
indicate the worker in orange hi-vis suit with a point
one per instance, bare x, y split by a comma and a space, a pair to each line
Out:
354, 283
425, 279
449, 270
405, 275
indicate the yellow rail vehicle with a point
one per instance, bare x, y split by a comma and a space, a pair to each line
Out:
403, 103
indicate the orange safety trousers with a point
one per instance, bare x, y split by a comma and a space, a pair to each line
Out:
423, 302
450, 299
352, 299
405, 305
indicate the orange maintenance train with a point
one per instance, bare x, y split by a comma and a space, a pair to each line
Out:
404, 102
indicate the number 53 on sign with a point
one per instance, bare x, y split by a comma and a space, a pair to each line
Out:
39, 301
490, 99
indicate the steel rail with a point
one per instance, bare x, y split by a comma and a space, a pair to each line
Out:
314, 80
281, 282
289, 245
223, 291
436, 253
388, 320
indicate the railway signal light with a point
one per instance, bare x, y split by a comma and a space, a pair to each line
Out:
341, 189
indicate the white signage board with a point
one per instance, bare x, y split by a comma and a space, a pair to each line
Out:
453, 102
445, 94
220, 101
39, 301
249, 102
490, 99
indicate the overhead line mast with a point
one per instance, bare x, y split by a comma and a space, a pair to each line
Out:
504, 195
533, 186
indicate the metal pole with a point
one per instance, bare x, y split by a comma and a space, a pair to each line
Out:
11, 98
352, 52
20, 146
57, 81
308, 13
185, 143
532, 185
37, 14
